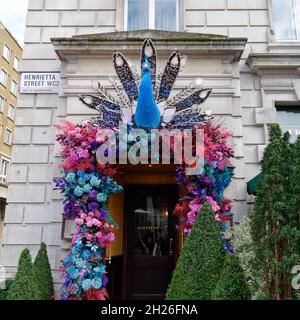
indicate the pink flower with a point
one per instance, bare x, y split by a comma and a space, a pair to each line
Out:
78, 136
111, 237
84, 154
83, 216
191, 217
95, 222
215, 207
79, 221
88, 218
89, 224
195, 207
89, 237
91, 214
98, 234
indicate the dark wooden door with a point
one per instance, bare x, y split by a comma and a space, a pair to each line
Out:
150, 240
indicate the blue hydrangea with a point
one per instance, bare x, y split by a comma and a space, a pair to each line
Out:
87, 188
73, 272
67, 190
78, 191
71, 177
95, 182
80, 173
101, 197
100, 269
87, 177
86, 284
86, 254
79, 263
81, 182
97, 283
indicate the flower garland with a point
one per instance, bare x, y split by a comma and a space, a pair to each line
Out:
210, 185
87, 185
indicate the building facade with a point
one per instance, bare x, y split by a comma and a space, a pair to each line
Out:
10, 55
247, 51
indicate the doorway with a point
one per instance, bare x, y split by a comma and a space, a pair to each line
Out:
150, 240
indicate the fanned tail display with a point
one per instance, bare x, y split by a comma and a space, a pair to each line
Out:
126, 76
149, 53
169, 76
149, 103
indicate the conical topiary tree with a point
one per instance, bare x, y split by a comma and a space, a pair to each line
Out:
200, 262
232, 284
43, 273
25, 285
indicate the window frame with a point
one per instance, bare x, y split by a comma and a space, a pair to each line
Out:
16, 59
4, 178
10, 140
10, 105
151, 25
16, 87
2, 105
4, 84
273, 27
5, 45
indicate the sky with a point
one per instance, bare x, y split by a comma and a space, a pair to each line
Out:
13, 16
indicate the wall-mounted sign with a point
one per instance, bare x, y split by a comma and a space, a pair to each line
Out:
40, 82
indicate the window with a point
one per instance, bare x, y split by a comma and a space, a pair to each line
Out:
4, 170
151, 14
3, 77
8, 136
11, 111
6, 52
16, 63
286, 16
1, 104
289, 120
13, 87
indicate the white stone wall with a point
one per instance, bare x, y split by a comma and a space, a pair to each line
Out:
34, 211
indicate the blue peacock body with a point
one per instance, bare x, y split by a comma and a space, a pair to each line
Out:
147, 114
147, 103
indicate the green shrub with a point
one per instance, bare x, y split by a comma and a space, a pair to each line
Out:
43, 273
25, 286
200, 262
232, 284
4, 291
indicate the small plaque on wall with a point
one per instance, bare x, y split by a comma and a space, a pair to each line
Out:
68, 228
40, 82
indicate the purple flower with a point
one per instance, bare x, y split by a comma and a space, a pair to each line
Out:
93, 206
104, 281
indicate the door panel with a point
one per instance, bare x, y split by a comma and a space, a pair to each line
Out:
150, 239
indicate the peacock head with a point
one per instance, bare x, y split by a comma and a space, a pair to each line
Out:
146, 66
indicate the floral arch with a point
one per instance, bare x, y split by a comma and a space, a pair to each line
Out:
88, 183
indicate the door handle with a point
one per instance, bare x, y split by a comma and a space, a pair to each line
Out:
171, 246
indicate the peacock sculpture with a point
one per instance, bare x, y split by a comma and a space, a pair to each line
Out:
148, 103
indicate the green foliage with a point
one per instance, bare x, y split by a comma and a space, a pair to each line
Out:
243, 246
275, 220
43, 273
25, 286
200, 262
4, 291
232, 284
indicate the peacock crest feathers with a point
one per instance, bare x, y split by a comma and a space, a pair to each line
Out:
144, 100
